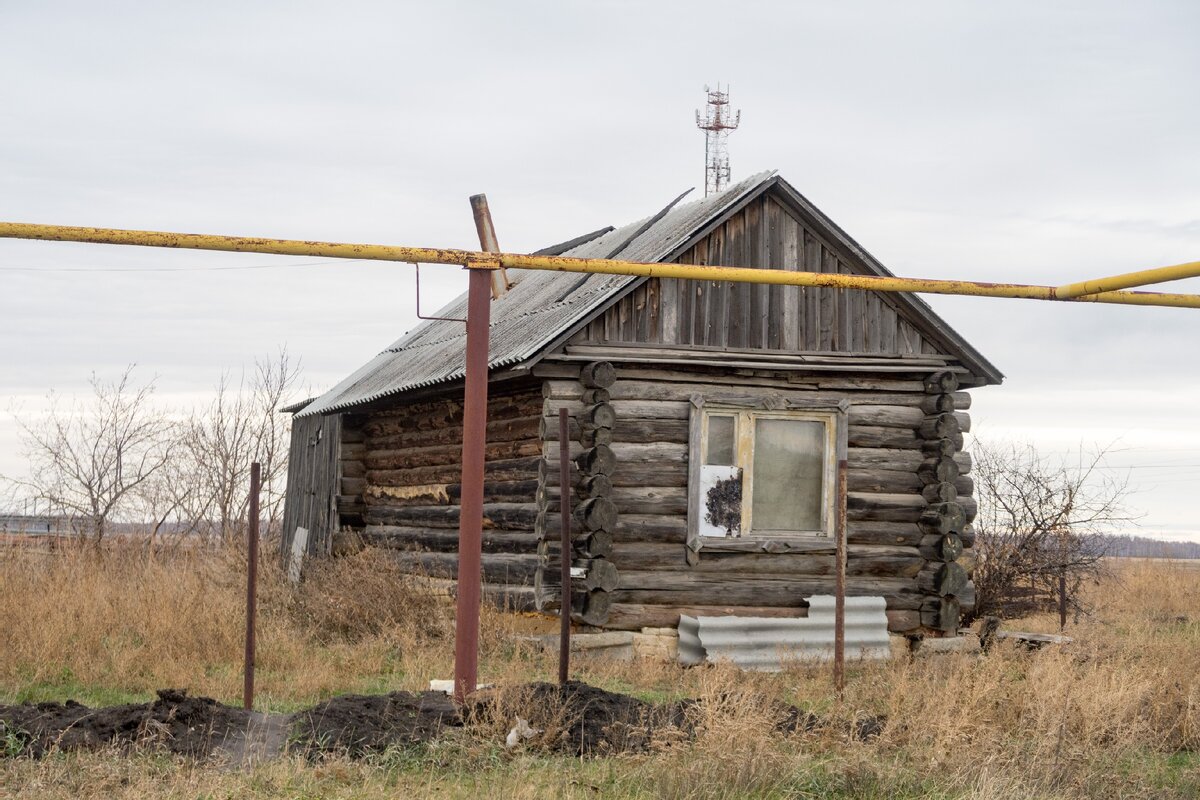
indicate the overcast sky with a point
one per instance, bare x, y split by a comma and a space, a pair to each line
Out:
1019, 141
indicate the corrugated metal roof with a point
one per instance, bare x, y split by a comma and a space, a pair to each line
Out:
768, 643
539, 306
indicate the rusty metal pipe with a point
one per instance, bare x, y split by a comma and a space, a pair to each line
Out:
470, 522
490, 261
1142, 278
251, 584
564, 510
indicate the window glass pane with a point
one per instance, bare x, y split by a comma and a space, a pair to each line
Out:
788, 475
720, 441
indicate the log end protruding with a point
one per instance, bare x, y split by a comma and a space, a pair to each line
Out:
942, 469
940, 426
942, 615
591, 608
940, 493
591, 396
597, 514
598, 460
943, 518
601, 375
599, 415
944, 382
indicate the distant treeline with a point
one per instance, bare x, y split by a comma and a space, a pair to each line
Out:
1126, 546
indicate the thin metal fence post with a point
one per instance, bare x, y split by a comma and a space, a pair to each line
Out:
839, 612
251, 584
564, 510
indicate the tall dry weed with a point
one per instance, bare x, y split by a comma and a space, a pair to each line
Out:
117, 619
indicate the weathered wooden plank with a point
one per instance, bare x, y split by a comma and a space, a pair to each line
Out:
501, 430
498, 568
511, 469
861, 560
521, 491
630, 452
702, 588
885, 507
397, 537
391, 459
448, 413
640, 499
672, 473
506, 516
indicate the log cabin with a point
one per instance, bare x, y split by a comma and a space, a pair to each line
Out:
703, 422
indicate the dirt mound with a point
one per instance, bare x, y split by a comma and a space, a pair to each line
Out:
359, 724
585, 720
575, 718
191, 726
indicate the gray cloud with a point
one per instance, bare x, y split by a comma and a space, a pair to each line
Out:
1023, 142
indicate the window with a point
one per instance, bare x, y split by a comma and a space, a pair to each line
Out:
763, 473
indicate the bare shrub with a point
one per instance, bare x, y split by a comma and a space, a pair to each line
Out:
89, 458
220, 441
1041, 527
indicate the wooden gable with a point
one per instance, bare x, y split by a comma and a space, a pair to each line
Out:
766, 232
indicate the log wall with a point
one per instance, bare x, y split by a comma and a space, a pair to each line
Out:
410, 487
909, 498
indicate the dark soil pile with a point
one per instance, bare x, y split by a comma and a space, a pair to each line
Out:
191, 726
359, 724
575, 718
584, 720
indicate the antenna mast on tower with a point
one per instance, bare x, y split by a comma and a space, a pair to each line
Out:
716, 123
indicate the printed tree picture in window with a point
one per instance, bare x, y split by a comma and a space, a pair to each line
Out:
722, 501
721, 480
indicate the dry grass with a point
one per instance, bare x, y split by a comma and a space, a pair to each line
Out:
1115, 714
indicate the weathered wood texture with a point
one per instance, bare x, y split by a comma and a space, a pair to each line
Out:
763, 233
900, 490
411, 467
312, 489
594, 514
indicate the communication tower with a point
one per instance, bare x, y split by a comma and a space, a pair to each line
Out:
716, 123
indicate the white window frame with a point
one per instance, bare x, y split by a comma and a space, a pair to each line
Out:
746, 410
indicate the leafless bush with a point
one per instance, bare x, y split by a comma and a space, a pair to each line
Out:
88, 459
118, 457
210, 482
1041, 526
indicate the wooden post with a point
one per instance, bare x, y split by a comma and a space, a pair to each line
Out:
251, 585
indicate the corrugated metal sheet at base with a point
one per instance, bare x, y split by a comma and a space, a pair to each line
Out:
538, 307
769, 643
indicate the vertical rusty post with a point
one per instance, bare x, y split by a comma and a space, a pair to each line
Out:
839, 612
470, 521
251, 584
564, 510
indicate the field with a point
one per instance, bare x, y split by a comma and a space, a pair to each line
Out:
1115, 714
